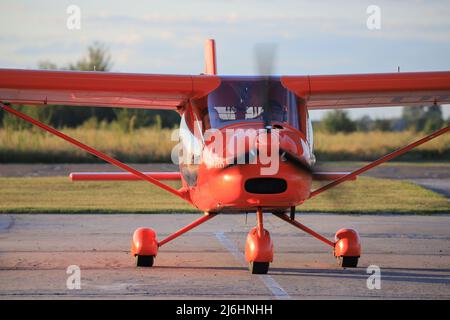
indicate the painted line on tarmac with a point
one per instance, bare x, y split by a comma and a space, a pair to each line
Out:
277, 291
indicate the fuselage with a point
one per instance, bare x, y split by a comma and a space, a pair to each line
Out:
235, 156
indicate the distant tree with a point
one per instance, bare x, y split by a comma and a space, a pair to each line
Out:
398, 124
364, 124
433, 119
168, 118
47, 65
97, 59
423, 118
382, 125
338, 121
414, 117
41, 113
130, 119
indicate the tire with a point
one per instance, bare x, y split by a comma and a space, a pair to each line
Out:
258, 267
144, 261
348, 262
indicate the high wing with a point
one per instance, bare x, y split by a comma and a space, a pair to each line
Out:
81, 88
371, 90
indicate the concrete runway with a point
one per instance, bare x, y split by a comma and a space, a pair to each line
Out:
413, 253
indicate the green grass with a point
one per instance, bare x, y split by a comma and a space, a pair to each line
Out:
59, 195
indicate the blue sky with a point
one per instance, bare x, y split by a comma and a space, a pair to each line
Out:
312, 37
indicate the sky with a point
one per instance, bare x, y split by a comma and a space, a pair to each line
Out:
311, 37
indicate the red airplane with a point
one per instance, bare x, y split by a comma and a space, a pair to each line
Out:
262, 104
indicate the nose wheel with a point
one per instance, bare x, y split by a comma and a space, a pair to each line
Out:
144, 261
347, 262
259, 247
258, 267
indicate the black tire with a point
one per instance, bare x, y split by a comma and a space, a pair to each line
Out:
258, 267
348, 262
144, 261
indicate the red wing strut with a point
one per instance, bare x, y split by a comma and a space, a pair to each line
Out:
327, 176
375, 163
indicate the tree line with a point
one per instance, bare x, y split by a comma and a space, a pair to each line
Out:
420, 118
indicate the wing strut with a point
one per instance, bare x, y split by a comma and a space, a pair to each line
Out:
95, 152
381, 160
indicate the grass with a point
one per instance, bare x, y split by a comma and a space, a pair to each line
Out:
59, 195
367, 146
155, 145
139, 146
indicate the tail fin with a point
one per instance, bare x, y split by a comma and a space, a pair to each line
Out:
210, 57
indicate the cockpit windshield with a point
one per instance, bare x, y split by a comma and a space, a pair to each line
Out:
243, 99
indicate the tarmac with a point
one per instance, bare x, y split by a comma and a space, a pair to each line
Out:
411, 255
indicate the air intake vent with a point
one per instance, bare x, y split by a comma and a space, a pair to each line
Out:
265, 185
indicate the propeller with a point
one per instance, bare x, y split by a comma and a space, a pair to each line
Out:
265, 55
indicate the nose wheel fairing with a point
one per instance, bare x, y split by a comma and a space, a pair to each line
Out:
259, 247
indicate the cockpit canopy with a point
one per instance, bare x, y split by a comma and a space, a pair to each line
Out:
240, 99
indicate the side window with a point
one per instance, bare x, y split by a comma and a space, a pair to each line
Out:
190, 152
293, 110
192, 145
309, 134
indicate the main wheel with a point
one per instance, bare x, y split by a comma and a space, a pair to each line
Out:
144, 261
258, 267
348, 262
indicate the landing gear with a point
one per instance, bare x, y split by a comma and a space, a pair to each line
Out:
258, 267
347, 248
259, 247
144, 247
144, 261
347, 245
347, 262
